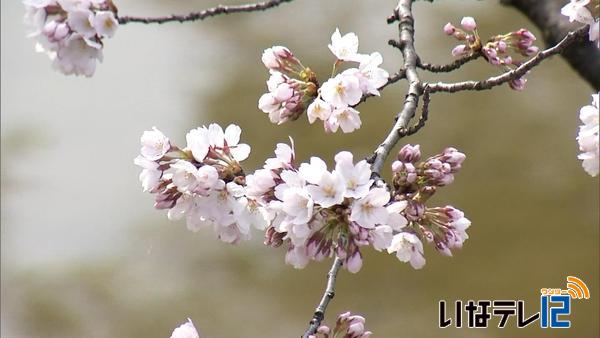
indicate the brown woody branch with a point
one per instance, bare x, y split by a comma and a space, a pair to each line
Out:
403, 14
449, 67
195, 16
328, 295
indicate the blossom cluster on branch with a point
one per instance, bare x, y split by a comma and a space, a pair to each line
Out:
294, 88
71, 32
497, 50
315, 212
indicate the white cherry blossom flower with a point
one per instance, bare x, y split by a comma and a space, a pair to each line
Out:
188, 178
197, 143
319, 109
408, 248
370, 210
382, 237
150, 175
185, 330
377, 77
345, 47
231, 136
346, 118
105, 24
259, 182
588, 137
297, 257
395, 218
77, 55
341, 91
154, 144
284, 156
356, 177
298, 205
329, 189
576, 11
313, 171
82, 22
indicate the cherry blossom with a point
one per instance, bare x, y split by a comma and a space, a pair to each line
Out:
71, 33
341, 91
370, 210
588, 137
408, 248
203, 183
347, 119
185, 330
154, 144
345, 48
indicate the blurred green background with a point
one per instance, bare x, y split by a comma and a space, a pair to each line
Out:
85, 255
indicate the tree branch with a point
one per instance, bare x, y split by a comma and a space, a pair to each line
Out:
584, 57
218, 10
449, 67
518, 72
317, 318
403, 14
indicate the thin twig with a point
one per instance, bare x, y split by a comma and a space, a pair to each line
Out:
513, 74
328, 295
403, 13
449, 67
194, 16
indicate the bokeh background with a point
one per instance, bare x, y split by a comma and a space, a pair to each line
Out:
85, 255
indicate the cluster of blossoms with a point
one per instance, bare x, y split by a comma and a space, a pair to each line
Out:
70, 32
347, 325
415, 182
588, 137
315, 212
203, 182
500, 50
319, 213
294, 88
577, 10
185, 330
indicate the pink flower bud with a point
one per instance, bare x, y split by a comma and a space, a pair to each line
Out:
50, 28
502, 46
355, 330
459, 50
324, 329
518, 83
62, 30
354, 262
442, 248
531, 51
449, 29
397, 166
409, 153
414, 211
468, 23
283, 92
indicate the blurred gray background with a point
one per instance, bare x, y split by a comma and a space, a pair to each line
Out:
84, 254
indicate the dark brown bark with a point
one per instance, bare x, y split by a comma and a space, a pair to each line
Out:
583, 56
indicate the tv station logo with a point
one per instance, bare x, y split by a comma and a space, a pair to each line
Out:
554, 306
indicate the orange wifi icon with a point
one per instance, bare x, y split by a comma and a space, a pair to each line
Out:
577, 289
